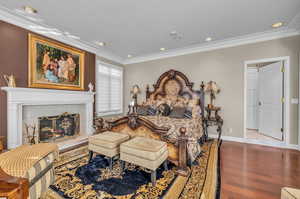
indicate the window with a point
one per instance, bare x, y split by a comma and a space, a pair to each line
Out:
109, 85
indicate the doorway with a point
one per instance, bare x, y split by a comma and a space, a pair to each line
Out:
266, 91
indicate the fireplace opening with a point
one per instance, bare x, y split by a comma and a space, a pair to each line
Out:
59, 127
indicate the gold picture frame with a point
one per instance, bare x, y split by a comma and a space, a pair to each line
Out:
54, 65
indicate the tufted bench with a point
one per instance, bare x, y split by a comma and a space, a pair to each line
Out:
145, 152
107, 144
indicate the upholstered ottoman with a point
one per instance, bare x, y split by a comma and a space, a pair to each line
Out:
145, 152
107, 144
290, 193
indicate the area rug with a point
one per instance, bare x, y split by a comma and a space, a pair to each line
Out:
79, 179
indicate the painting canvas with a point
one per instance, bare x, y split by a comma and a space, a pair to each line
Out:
54, 65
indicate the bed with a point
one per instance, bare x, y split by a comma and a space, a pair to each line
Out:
182, 128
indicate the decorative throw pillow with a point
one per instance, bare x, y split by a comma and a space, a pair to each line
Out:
188, 114
142, 110
178, 112
196, 112
151, 111
164, 109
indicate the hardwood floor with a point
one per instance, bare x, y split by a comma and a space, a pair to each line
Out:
259, 172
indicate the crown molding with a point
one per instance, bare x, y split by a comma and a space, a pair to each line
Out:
15, 19
226, 43
292, 29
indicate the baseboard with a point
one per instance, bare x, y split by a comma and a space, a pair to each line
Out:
258, 142
228, 138
294, 146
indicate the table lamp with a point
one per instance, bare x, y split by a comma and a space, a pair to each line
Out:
212, 88
134, 92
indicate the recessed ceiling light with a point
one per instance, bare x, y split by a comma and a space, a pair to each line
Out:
174, 32
277, 25
175, 35
29, 10
100, 43
208, 39
162, 49
129, 56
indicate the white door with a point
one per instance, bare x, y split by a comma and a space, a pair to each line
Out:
270, 100
252, 96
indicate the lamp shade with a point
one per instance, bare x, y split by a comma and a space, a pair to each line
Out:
135, 90
212, 86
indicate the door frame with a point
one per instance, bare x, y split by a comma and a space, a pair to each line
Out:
256, 71
286, 132
299, 107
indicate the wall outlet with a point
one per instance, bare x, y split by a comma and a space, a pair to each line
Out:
229, 130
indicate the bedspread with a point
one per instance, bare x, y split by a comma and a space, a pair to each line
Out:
193, 127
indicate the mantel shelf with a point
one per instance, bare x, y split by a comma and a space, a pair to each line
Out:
39, 90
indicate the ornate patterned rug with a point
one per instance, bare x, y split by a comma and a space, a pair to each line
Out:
79, 179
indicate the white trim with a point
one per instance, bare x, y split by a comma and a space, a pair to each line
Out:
17, 98
226, 43
257, 142
10, 17
286, 60
299, 108
228, 138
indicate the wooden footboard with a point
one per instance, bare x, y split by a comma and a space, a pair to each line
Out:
138, 126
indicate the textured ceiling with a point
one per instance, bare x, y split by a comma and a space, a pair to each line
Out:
140, 27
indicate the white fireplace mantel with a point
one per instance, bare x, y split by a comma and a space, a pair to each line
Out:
19, 97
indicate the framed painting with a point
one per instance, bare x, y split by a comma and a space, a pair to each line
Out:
54, 65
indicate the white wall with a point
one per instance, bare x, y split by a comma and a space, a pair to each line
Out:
226, 67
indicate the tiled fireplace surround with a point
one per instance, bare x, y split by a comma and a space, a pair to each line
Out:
26, 104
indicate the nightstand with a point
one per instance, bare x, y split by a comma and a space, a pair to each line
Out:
213, 119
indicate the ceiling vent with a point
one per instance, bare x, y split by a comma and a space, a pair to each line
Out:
175, 35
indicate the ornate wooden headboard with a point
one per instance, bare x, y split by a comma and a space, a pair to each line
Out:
176, 83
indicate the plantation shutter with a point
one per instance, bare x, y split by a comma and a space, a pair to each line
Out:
109, 97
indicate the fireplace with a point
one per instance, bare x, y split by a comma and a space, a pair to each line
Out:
58, 128
26, 105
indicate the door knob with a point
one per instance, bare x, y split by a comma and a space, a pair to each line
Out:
259, 103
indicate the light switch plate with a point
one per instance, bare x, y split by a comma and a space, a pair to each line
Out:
295, 101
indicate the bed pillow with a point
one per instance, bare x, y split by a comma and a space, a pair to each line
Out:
164, 109
188, 114
151, 111
178, 112
142, 110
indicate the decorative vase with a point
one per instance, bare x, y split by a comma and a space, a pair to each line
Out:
10, 80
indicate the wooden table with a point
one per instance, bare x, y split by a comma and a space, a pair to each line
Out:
213, 120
